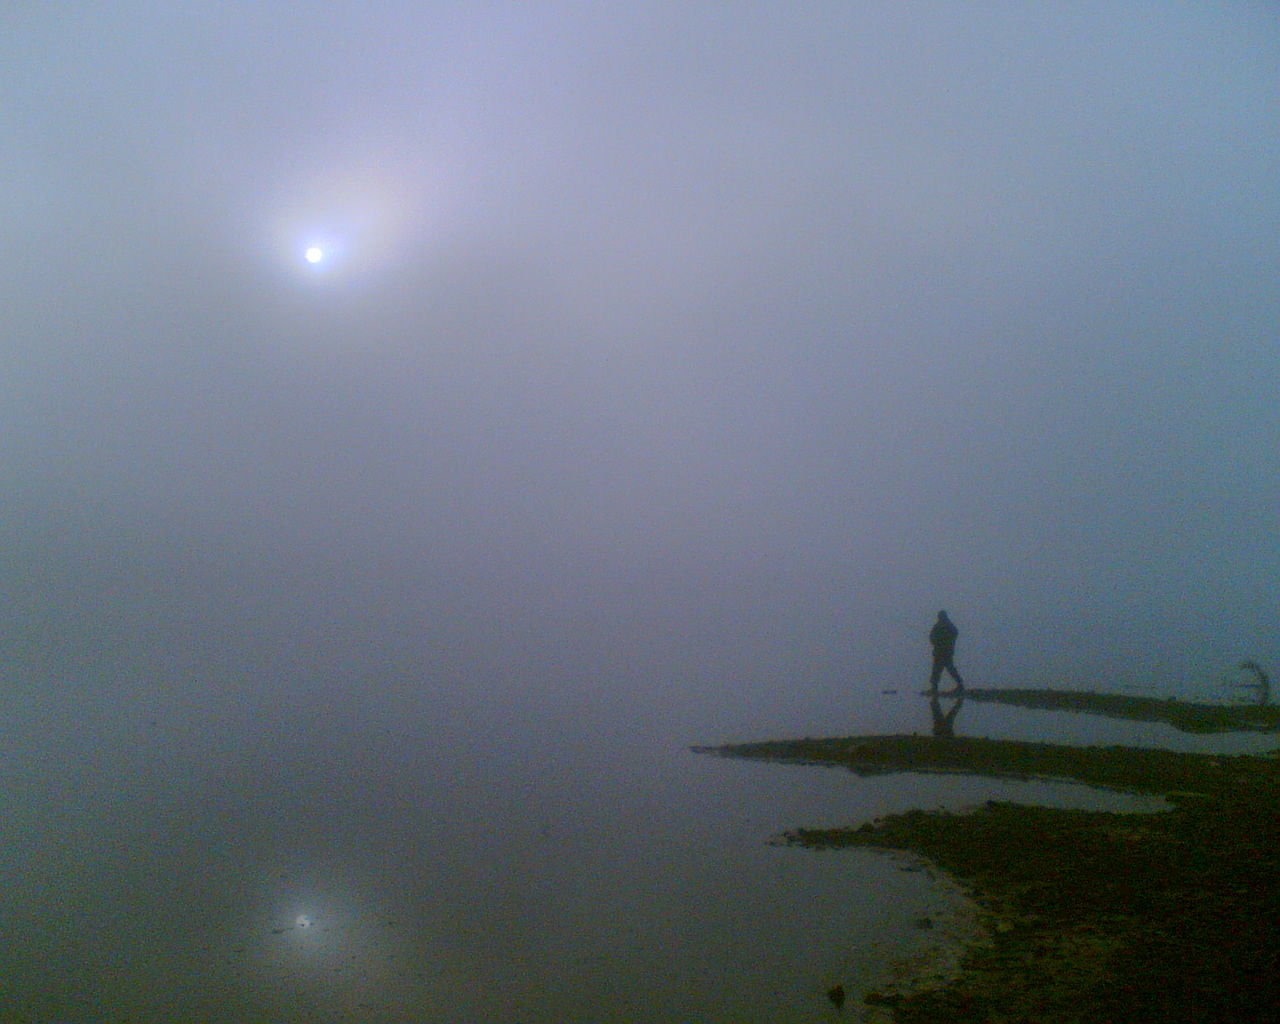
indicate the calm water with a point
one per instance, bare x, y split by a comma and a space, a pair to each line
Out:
255, 807
332, 864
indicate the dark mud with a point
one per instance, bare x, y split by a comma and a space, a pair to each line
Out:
1171, 917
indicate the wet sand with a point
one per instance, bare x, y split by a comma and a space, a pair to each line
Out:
1085, 915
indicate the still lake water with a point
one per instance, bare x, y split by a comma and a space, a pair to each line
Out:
334, 803
334, 864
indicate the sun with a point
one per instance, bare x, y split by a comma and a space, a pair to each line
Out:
314, 255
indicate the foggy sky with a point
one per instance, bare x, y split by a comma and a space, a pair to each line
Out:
665, 354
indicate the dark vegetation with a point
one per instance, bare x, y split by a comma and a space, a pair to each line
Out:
1182, 715
1137, 770
1171, 917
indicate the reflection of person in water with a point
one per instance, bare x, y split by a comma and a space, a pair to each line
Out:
944, 726
943, 637
1263, 684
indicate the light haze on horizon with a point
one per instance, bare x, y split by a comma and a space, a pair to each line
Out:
669, 365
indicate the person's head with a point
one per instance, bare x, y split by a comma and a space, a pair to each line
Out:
942, 615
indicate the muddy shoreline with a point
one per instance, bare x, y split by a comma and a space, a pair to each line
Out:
1089, 915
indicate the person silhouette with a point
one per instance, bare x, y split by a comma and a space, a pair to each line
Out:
943, 638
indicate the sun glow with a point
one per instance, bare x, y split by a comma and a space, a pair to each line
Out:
338, 225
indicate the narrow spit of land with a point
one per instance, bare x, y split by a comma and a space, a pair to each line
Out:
1170, 917
1185, 716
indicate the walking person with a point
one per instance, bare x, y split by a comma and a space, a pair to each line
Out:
943, 638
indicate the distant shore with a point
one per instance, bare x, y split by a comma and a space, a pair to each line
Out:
1091, 916
1185, 716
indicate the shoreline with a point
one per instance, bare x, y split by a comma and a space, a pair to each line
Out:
1088, 915
941, 950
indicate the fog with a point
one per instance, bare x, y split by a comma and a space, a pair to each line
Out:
667, 367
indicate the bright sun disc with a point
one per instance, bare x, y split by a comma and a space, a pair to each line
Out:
315, 254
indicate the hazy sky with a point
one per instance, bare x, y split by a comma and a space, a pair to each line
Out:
683, 351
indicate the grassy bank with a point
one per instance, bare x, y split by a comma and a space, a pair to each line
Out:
1095, 916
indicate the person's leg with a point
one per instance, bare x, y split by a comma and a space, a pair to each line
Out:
951, 670
936, 674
